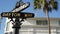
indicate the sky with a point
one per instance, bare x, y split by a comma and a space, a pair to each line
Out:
8, 5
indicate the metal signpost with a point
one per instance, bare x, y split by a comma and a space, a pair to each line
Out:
16, 13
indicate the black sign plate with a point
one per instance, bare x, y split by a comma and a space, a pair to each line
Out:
17, 15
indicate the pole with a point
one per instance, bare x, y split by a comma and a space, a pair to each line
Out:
16, 31
17, 26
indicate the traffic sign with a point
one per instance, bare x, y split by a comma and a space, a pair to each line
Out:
24, 6
17, 15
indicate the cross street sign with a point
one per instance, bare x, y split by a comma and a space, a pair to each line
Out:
17, 15
24, 6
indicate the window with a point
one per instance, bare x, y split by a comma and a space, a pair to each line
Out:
9, 33
59, 22
41, 22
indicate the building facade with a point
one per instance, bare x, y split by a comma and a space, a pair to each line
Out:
35, 26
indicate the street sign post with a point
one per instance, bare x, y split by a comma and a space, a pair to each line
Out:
17, 15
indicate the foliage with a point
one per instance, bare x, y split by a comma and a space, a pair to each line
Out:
52, 4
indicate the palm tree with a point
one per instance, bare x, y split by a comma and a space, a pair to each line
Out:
47, 6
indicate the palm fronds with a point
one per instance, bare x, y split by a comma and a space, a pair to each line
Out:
38, 5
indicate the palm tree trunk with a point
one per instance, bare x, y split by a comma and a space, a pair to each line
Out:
48, 19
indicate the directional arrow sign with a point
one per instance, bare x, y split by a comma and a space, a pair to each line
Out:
17, 15
24, 6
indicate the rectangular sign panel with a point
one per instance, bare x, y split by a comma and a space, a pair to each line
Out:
21, 7
17, 15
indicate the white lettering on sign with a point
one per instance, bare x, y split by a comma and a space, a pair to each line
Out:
21, 7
